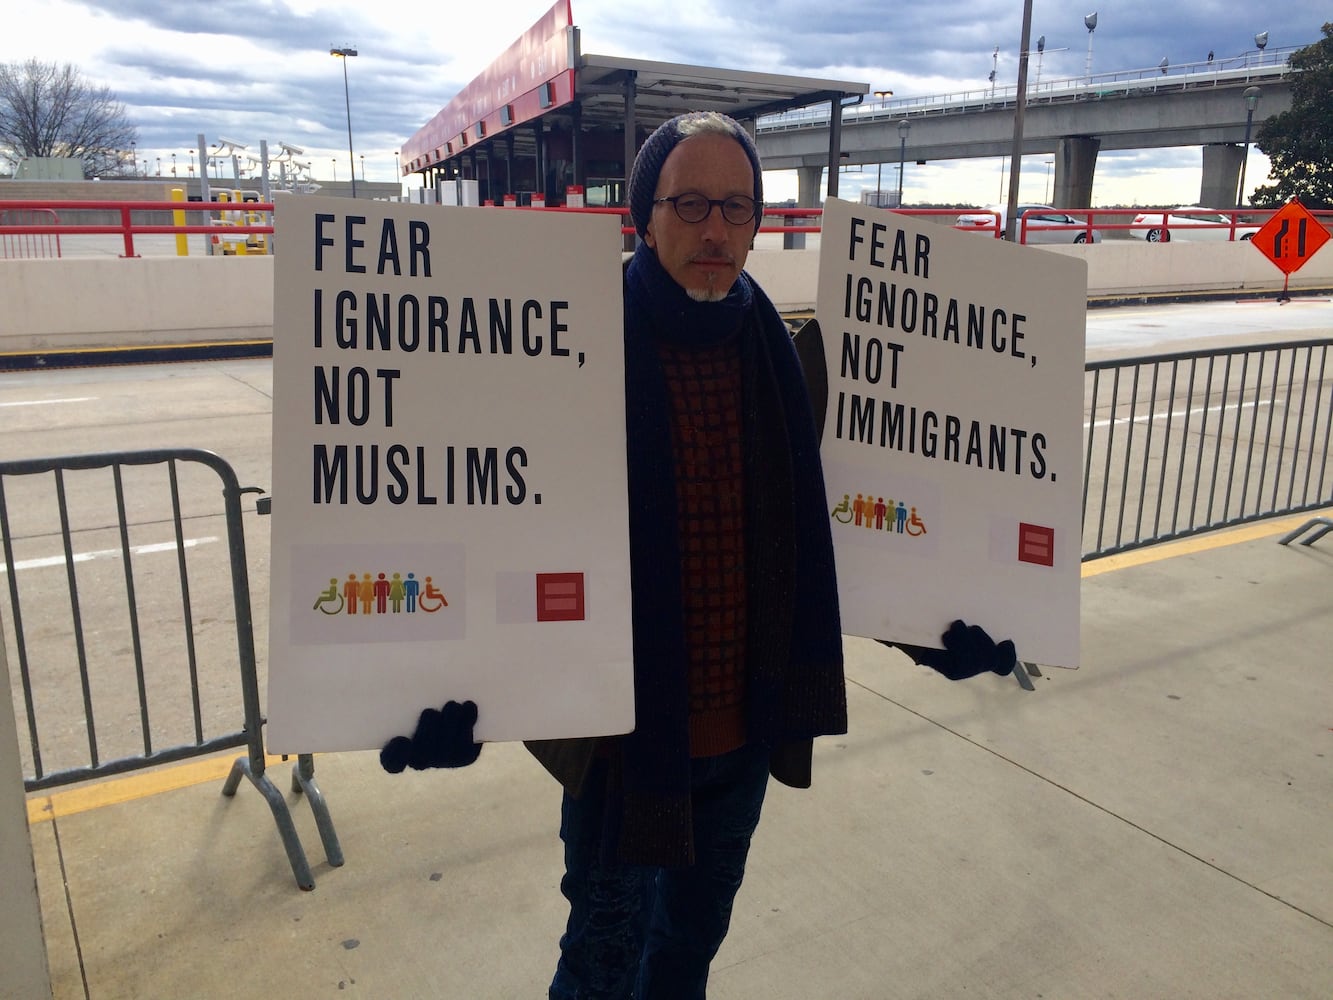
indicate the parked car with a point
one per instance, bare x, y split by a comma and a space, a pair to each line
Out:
1042, 222
1189, 222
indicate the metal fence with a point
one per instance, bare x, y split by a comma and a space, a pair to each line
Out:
43, 243
1184, 443
131, 625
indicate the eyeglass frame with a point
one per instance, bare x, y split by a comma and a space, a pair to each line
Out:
720, 203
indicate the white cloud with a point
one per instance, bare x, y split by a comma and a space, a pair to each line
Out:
253, 69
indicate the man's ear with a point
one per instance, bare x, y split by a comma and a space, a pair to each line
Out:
648, 236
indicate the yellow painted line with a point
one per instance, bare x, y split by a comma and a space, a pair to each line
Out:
122, 349
49, 806
1199, 543
52, 805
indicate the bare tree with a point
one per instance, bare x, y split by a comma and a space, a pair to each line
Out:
49, 110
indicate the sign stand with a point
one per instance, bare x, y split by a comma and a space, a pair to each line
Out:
1291, 237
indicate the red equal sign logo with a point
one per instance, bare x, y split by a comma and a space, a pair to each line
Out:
1036, 544
560, 597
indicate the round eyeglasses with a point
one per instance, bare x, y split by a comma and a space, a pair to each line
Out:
694, 207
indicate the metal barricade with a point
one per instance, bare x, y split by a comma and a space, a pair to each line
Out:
124, 661
22, 245
1184, 443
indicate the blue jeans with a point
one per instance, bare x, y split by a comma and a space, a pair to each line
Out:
644, 933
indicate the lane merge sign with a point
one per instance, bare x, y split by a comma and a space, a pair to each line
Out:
1291, 237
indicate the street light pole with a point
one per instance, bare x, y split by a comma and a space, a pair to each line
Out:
879, 167
904, 127
1089, 22
1251, 95
345, 52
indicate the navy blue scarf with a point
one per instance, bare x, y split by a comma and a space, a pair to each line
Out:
794, 678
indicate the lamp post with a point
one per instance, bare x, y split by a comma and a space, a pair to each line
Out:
904, 127
1261, 43
335, 170
879, 167
173, 164
1089, 22
345, 52
1047, 199
363, 168
1251, 95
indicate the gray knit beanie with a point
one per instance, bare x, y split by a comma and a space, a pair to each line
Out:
658, 146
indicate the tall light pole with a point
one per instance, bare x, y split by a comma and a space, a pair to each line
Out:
1089, 22
1251, 95
1047, 199
1261, 43
345, 52
904, 127
879, 167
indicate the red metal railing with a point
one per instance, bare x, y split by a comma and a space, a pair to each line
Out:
216, 214
44, 223
44, 242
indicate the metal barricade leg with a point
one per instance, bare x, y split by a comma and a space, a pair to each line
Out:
281, 815
303, 781
1321, 525
1024, 672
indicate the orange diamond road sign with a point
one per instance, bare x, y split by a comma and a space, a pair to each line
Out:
1290, 237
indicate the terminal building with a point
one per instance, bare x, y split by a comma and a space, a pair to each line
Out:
548, 124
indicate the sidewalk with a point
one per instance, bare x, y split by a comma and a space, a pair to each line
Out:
1154, 824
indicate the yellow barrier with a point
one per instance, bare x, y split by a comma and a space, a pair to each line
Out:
178, 219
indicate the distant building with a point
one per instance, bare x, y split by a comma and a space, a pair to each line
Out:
49, 168
880, 199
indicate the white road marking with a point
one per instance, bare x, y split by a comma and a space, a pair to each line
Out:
79, 557
1175, 414
45, 402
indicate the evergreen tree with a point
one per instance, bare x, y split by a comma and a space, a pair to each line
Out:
1299, 141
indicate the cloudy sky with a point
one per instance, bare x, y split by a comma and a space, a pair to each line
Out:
260, 69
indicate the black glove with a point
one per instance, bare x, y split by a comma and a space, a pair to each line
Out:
443, 738
967, 651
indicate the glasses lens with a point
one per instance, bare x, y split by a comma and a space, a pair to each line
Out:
692, 207
738, 210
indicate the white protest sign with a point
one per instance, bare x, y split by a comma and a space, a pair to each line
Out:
952, 441
449, 493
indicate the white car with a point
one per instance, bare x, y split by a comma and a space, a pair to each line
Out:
1189, 222
1044, 224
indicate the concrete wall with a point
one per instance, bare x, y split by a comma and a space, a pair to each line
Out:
90, 302
66, 303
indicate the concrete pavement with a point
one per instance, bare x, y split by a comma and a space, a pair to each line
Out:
1154, 824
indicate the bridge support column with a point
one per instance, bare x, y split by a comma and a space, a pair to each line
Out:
807, 196
1075, 163
1221, 175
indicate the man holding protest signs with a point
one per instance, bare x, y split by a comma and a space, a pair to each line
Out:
736, 633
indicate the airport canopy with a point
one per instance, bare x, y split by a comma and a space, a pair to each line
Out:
546, 106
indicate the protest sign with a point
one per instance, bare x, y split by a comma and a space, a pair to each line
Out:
449, 496
952, 437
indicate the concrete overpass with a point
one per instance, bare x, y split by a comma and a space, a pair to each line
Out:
1198, 104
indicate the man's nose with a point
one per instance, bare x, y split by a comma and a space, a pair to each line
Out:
714, 226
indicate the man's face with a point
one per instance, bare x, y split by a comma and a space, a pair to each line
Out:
705, 257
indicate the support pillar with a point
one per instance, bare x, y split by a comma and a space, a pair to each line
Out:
1221, 175
629, 241
807, 196
1075, 164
